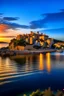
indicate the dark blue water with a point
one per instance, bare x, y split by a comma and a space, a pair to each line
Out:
22, 74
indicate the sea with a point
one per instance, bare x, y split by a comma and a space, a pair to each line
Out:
26, 73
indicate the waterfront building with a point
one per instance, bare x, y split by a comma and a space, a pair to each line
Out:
41, 43
31, 39
43, 37
19, 37
50, 41
37, 43
11, 46
27, 40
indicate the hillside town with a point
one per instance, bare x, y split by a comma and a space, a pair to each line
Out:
34, 41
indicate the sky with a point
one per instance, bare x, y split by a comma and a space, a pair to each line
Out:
23, 16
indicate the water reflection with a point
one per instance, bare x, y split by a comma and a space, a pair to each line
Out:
48, 62
41, 65
58, 56
6, 65
17, 66
27, 66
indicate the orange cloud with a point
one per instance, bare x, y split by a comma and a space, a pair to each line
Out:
3, 27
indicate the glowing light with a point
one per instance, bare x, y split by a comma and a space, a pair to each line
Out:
41, 67
1, 39
31, 40
48, 62
5, 39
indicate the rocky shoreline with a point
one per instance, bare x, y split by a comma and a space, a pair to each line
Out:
25, 52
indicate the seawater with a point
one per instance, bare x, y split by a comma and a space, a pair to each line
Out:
26, 73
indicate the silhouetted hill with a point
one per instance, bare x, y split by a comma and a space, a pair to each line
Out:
3, 42
57, 41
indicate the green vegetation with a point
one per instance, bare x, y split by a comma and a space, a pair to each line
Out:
46, 92
20, 42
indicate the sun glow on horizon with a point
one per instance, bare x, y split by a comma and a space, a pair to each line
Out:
1, 39
3, 28
5, 39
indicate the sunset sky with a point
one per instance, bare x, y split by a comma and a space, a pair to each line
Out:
23, 16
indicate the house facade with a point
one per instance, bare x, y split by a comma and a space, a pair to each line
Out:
31, 39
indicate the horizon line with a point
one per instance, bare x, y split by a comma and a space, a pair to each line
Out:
7, 36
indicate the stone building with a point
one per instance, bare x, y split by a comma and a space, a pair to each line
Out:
31, 39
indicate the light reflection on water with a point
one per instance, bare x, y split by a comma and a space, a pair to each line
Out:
48, 60
11, 68
41, 65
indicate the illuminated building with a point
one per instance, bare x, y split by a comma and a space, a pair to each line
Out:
27, 40
19, 37
41, 43
31, 40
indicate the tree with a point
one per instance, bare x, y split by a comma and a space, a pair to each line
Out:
36, 93
16, 42
48, 92
24, 95
20, 42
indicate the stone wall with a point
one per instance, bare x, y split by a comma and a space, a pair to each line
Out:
19, 48
29, 47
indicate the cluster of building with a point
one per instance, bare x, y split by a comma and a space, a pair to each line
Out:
59, 45
32, 39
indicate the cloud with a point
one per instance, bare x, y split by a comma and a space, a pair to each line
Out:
48, 18
37, 24
41, 23
53, 17
6, 24
15, 25
10, 18
55, 33
58, 29
62, 9
1, 13
3, 27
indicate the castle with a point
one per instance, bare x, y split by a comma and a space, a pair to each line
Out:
31, 39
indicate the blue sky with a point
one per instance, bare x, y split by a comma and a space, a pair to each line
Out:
46, 16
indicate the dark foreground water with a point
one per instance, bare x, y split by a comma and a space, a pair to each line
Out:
27, 73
